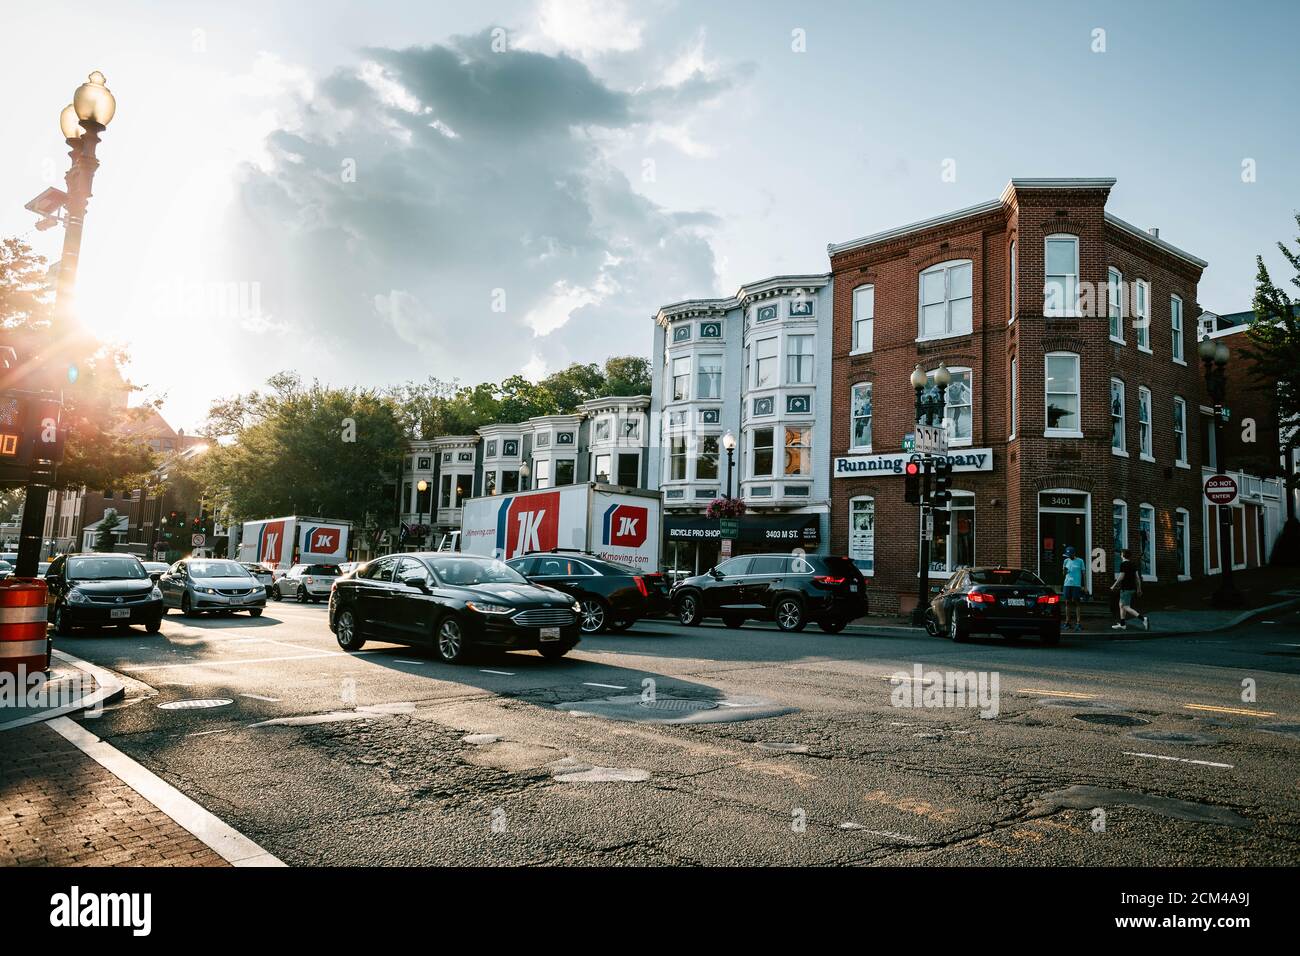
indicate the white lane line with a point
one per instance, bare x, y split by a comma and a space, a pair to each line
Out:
229, 662
608, 686
271, 700
1203, 763
227, 842
859, 828
312, 719
484, 670
399, 660
204, 733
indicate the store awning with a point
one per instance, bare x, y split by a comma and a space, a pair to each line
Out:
775, 531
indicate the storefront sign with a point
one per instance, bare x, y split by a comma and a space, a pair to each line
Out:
866, 466
802, 531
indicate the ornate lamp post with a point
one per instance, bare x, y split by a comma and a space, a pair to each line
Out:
81, 122
420, 488
729, 443
929, 411
524, 472
1214, 359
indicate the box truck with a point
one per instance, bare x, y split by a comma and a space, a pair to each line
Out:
616, 523
282, 542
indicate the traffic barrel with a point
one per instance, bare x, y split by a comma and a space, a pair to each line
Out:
23, 639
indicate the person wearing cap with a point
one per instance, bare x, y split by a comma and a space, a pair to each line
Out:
1073, 589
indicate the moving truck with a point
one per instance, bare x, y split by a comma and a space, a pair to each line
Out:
282, 542
619, 524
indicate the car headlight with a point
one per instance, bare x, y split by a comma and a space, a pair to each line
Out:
482, 608
207, 590
155, 594
77, 597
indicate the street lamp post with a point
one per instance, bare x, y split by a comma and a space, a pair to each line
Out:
420, 488
524, 472
81, 122
729, 443
1214, 359
929, 411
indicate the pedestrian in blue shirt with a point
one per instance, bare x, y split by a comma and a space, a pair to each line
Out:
1073, 588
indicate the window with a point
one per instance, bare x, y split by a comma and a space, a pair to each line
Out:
1118, 442
1209, 442
953, 545
1119, 531
681, 379
1142, 314
799, 360
491, 450
798, 451
1115, 304
564, 471
1180, 431
601, 469
509, 482
1013, 285
1183, 543
860, 416
445, 493
1144, 423
629, 470
706, 465
1015, 396
1062, 394
864, 318
956, 403
602, 429
946, 299
709, 370
1147, 541
677, 458
542, 474
1061, 285
862, 534
489, 483
1176, 327
762, 453
765, 363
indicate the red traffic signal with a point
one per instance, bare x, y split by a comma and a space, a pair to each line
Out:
912, 483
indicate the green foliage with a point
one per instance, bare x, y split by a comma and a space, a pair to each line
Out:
1274, 340
104, 537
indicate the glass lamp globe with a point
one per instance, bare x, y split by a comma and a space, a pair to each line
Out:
69, 123
918, 378
93, 101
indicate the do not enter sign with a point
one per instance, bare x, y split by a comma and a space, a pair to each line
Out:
1220, 490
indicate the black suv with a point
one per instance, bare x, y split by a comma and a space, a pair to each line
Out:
789, 589
96, 590
611, 596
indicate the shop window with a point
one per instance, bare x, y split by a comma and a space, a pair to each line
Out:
862, 533
953, 545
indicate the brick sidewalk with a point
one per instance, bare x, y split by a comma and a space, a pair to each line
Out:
58, 807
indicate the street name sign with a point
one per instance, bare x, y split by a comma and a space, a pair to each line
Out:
1220, 490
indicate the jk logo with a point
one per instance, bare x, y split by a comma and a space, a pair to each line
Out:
626, 526
529, 522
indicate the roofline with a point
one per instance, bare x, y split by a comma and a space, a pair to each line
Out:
1142, 234
812, 279
980, 209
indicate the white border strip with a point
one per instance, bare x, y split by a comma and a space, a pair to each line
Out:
228, 843
110, 688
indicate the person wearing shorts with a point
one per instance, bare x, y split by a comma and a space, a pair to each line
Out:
1072, 589
1129, 585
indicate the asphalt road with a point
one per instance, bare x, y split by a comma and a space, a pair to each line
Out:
796, 749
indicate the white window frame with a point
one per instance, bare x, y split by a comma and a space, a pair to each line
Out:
1049, 432
854, 502
955, 371
805, 444
1146, 438
967, 503
853, 432
1151, 541
1123, 506
947, 268
1176, 343
1122, 450
864, 326
1115, 304
774, 359
674, 376
753, 450
699, 377
1142, 315
699, 454
1012, 257
1069, 308
1180, 434
595, 465
1184, 517
1015, 397
809, 358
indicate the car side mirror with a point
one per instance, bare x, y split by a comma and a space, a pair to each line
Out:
417, 582
717, 575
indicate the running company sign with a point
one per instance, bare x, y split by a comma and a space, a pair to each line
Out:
866, 466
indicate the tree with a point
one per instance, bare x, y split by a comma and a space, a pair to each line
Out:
311, 450
105, 537
627, 375
1274, 351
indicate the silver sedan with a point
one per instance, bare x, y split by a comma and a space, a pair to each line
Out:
211, 585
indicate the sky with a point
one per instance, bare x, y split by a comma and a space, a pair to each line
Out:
375, 193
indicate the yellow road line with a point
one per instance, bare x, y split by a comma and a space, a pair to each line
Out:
1231, 710
1055, 693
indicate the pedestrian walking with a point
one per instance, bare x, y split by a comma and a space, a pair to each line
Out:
1129, 585
1072, 588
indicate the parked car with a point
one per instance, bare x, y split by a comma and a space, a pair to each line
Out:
261, 574
611, 596
96, 590
1006, 601
197, 585
453, 603
307, 582
786, 588
156, 569
6, 569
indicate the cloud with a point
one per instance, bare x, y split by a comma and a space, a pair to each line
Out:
590, 27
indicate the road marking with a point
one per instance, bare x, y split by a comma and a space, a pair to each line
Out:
900, 678
240, 660
859, 828
1231, 710
1055, 693
272, 700
311, 719
484, 670
1203, 763
227, 842
399, 660
204, 733
608, 686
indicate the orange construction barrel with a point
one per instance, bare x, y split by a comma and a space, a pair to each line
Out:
23, 638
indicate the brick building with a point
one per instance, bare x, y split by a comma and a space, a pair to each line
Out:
1076, 414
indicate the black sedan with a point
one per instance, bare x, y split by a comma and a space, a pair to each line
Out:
611, 596
1007, 601
790, 589
452, 603
96, 590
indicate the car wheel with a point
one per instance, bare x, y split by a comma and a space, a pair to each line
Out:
593, 615
154, 626
833, 625
255, 612
688, 609
931, 623
274, 592
553, 652
303, 596
61, 626
956, 630
1051, 635
733, 620
347, 632
187, 608
789, 614
450, 642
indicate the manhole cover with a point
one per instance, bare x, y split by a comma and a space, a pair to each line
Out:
1173, 737
199, 704
1112, 720
678, 705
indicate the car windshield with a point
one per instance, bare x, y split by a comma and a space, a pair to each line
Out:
1004, 576
217, 569
105, 569
467, 572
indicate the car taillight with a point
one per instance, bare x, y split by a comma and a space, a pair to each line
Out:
1049, 599
640, 586
306, 580
827, 579
980, 597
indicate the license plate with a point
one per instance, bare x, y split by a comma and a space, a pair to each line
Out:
119, 612
550, 633
853, 588
1015, 602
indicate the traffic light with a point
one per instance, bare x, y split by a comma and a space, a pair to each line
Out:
942, 482
912, 483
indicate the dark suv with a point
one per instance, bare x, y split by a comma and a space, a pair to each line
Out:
611, 596
789, 589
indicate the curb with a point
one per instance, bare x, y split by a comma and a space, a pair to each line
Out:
109, 690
